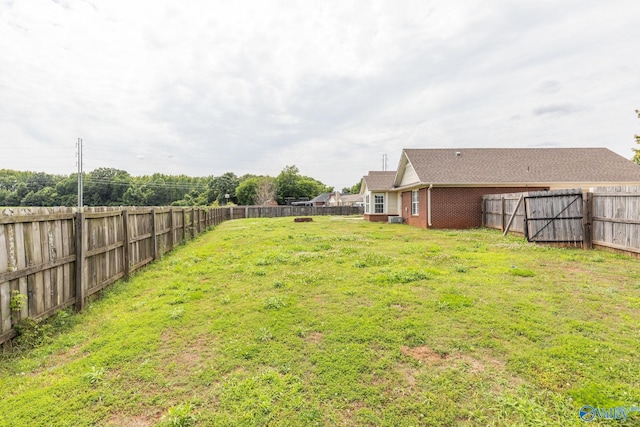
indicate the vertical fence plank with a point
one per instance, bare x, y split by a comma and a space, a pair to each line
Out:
172, 231
80, 255
184, 225
5, 287
154, 235
126, 258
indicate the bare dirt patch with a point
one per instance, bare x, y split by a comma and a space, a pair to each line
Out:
191, 355
409, 373
122, 420
314, 337
424, 354
464, 361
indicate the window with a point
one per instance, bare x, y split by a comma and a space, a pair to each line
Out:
414, 203
378, 203
367, 204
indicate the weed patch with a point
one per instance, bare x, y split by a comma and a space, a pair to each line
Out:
522, 272
403, 276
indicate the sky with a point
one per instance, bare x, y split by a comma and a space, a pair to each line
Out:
206, 87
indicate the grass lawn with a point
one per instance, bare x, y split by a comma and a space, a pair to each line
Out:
341, 322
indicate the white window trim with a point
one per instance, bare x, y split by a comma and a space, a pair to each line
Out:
415, 203
377, 204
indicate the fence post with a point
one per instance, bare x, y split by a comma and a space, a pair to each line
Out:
502, 225
184, 224
193, 223
80, 256
154, 235
587, 220
126, 256
171, 230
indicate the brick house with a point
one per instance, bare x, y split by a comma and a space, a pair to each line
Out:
443, 188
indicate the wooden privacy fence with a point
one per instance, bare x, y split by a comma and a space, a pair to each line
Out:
56, 257
51, 258
280, 211
615, 218
606, 217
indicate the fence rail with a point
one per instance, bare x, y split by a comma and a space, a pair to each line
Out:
605, 217
57, 257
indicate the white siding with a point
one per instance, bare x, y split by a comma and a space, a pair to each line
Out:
392, 203
409, 176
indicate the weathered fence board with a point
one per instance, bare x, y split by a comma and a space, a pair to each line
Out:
554, 216
499, 208
616, 218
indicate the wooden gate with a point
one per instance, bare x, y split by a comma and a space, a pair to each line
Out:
554, 217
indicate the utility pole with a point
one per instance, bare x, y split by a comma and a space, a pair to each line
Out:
79, 161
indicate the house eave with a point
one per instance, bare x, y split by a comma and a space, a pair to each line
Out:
567, 184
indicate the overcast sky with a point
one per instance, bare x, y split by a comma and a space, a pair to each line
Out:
205, 87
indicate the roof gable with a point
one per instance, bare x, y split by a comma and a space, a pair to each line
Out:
406, 174
379, 181
520, 165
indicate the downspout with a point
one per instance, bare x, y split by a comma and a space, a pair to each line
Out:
429, 206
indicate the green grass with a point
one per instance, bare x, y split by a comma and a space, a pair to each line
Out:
341, 322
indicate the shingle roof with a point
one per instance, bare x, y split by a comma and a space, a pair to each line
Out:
379, 180
351, 197
321, 198
521, 165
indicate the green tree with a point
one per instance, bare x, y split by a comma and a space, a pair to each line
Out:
67, 189
46, 196
105, 187
27, 188
355, 189
287, 182
636, 156
193, 198
39, 180
256, 190
246, 191
5, 196
138, 194
221, 186
290, 184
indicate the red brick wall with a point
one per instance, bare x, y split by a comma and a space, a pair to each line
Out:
377, 217
461, 207
419, 220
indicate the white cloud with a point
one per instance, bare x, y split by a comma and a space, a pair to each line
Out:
202, 88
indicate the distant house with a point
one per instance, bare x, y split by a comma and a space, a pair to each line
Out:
320, 200
443, 188
337, 199
381, 199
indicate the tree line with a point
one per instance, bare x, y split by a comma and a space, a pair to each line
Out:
115, 187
